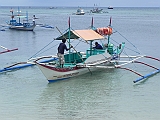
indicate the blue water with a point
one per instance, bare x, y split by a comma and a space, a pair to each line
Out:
107, 94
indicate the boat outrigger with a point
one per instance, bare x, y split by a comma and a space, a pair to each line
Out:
6, 49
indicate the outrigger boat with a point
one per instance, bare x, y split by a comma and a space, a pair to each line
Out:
110, 7
78, 63
96, 10
26, 26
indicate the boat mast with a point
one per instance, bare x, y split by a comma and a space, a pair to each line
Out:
19, 14
12, 16
110, 22
92, 27
69, 33
27, 16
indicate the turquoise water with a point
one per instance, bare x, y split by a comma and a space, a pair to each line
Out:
107, 94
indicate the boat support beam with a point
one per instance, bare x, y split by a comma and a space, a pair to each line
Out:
143, 76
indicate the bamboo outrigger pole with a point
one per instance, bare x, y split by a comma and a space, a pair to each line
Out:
146, 76
7, 50
150, 74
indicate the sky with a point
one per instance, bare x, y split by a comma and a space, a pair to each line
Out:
82, 3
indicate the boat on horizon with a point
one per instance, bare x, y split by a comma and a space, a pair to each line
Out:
110, 7
80, 11
96, 9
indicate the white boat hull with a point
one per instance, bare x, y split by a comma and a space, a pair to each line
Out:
81, 13
54, 74
29, 28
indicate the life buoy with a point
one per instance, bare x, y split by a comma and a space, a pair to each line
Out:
110, 31
104, 31
100, 31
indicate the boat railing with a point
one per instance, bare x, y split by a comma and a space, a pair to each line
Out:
75, 57
91, 52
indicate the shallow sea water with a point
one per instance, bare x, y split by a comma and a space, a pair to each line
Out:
107, 94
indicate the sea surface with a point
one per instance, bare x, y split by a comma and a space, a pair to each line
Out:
25, 94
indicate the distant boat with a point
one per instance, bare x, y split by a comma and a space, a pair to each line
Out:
52, 7
26, 26
110, 7
80, 11
96, 10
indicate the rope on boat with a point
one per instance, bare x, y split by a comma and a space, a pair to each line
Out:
40, 50
47, 49
128, 41
125, 46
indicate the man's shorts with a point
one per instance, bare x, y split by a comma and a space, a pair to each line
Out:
61, 58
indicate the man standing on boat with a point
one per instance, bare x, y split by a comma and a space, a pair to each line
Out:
62, 46
97, 46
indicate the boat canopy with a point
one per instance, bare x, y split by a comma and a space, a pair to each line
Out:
21, 16
87, 35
